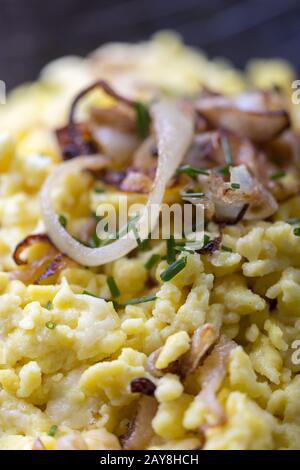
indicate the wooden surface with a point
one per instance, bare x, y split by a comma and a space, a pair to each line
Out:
33, 32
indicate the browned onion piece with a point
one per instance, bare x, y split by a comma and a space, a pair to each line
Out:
56, 265
50, 263
211, 246
248, 115
74, 135
28, 241
212, 375
172, 368
68, 148
136, 182
202, 340
140, 432
115, 116
251, 200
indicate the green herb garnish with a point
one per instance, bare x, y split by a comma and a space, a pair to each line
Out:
173, 269
152, 261
52, 430
226, 248
277, 175
224, 170
235, 185
144, 244
170, 250
297, 231
206, 239
95, 241
142, 120
86, 292
50, 325
140, 300
62, 220
48, 305
124, 230
114, 290
99, 190
191, 171
191, 194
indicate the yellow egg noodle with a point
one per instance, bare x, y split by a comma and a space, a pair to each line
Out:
68, 359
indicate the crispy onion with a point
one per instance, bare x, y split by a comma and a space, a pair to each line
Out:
250, 199
212, 375
255, 116
157, 373
26, 243
202, 340
174, 131
140, 431
49, 263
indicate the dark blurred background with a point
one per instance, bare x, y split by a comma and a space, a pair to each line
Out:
33, 32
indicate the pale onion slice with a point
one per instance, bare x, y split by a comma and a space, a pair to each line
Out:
140, 432
212, 375
173, 126
261, 202
229, 203
115, 143
251, 115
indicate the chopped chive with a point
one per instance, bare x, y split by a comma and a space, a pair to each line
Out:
62, 220
224, 170
297, 231
170, 250
206, 239
277, 175
226, 150
293, 221
142, 120
99, 190
114, 290
48, 305
144, 244
191, 194
95, 241
50, 325
124, 230
226, 248
86, 292
191, 171
152, 261
235, 185
173, 269
140, 300
52, 430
